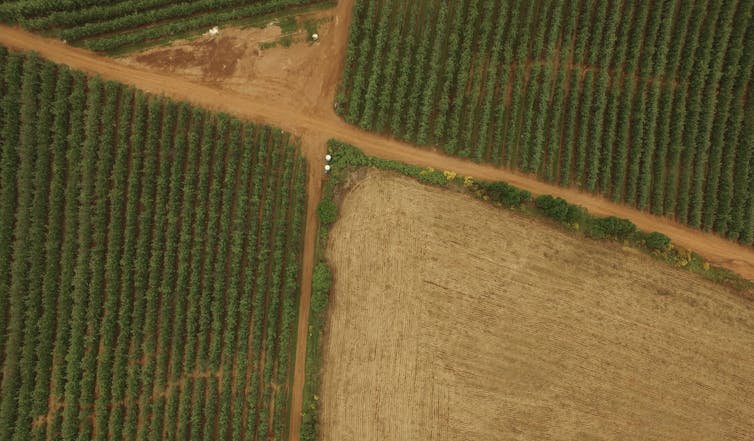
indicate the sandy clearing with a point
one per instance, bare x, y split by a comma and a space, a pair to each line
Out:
515, 330
236, 61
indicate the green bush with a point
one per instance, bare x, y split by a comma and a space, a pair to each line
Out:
309, 427
507, 195
657, 241
327, 211
559, 209
612, 227
321, 282
432, 176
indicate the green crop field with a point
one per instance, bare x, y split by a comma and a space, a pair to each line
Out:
111, 25
149, 274
648, 103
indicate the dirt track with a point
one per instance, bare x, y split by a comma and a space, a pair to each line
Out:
324, 123
513, 329
311, 117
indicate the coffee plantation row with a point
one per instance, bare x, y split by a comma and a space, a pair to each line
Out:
644, 102
150, 263
112, 25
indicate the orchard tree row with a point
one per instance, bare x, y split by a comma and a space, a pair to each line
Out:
150, 264
113, 25
646, 102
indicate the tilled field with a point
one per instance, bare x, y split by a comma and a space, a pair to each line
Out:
453, 320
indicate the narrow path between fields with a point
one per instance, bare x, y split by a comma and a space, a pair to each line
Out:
315, 127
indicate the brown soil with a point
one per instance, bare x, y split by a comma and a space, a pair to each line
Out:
235, 60
510, 329
314, 150
54, 404
215, 59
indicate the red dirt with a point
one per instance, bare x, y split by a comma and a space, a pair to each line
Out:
213, 52
299, 99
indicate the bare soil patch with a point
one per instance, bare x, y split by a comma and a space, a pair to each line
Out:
214, 59
239, 60
454, 320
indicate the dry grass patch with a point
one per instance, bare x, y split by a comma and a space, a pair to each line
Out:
453, 320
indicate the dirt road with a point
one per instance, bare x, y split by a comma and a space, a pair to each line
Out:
325, 122
315, 124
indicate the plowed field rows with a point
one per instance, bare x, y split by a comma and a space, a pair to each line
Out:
510, 329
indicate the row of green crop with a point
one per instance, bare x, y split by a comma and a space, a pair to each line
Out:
171, 29
8, 161
642, 104
126, 281
51, 288
125, 21
172, 335
67, 18
16, 363
153, 270
17, 9
205, 143
111, 26
75, 138
38, 215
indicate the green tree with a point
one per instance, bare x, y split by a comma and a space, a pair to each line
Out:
327, 211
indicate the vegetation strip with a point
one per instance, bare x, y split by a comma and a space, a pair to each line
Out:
130, 23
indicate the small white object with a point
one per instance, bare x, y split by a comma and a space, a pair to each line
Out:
214, 31
315, 37
328, 158
327, 169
